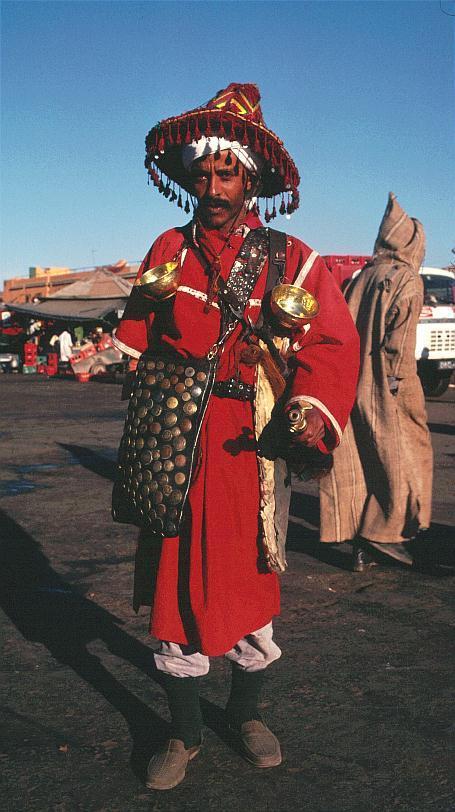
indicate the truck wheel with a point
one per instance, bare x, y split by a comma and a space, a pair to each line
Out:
435, 383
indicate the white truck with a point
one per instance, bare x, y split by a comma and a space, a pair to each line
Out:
435, 343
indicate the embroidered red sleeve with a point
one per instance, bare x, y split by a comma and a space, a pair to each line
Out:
326, 350
133, 331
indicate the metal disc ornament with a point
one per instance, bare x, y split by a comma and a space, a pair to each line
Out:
159, 442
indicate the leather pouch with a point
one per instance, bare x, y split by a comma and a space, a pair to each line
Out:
159, 443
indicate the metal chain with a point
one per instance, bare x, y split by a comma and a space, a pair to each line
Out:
218, 345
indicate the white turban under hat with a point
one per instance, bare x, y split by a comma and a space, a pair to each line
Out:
208, 145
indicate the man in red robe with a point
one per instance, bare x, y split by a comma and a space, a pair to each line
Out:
215, 586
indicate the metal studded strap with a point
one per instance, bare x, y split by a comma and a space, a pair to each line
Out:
250, 260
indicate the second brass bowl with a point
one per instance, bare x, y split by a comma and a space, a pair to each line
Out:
160, 282
293, 306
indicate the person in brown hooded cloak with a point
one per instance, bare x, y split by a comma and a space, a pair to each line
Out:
379, 490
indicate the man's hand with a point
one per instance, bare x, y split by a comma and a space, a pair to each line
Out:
314, 430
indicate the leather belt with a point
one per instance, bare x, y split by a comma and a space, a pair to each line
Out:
233, 388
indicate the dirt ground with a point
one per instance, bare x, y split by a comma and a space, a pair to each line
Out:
362, 698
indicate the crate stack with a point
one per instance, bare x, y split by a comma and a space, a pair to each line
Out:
52, 363
41, 364
29, 366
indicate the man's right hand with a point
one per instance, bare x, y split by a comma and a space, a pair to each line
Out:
314, 431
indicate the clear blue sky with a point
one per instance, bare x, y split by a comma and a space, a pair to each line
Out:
360, 92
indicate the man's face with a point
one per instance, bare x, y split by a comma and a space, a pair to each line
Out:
220, 183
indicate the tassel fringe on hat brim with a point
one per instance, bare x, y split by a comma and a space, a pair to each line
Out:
234, 115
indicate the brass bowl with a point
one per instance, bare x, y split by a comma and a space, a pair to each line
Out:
160, 282
293, 306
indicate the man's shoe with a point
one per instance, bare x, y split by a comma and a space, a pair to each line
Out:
259, 745
361, 559
167, 768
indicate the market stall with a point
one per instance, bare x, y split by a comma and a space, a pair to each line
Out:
74, 325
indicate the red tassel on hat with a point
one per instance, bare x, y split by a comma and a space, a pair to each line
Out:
179, 201
283, 206
222, 116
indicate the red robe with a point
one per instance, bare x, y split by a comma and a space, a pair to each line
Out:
211, 588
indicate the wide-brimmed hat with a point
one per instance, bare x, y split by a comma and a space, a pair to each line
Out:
233, 114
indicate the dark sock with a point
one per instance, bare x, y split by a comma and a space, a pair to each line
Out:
183, 698
243, 702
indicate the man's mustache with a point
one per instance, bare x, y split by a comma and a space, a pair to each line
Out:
209, 202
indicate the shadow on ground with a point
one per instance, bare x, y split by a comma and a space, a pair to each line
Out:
441, 428
92, 460
434, 550
46, 609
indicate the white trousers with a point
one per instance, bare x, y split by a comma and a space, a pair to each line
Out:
252, 653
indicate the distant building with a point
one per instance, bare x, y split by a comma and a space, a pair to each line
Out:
47, 281
36, 270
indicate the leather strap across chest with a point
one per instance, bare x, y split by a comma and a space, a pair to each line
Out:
247, 267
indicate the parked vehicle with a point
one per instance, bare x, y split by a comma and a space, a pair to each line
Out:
9, 361
435, 340
11, 342
435, 344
